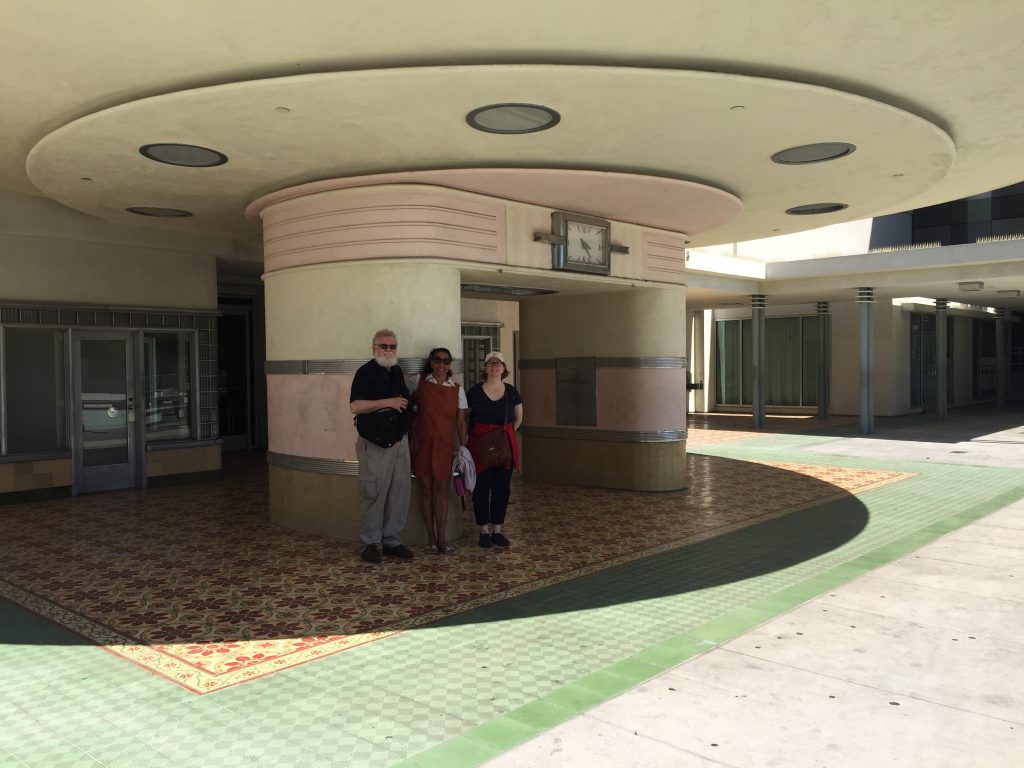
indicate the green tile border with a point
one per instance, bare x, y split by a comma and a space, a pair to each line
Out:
502, 733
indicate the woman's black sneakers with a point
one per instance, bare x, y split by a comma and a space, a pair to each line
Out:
500, 540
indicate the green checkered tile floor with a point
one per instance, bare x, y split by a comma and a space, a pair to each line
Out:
457, 691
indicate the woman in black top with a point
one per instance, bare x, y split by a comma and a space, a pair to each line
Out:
493, 404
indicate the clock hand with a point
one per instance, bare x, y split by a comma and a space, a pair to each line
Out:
586, 247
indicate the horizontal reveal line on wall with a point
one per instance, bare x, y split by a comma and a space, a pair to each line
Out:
384, 241
606, 435
613, 362
309, 464
282, 220
379, 225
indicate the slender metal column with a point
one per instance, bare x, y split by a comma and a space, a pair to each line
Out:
757, 304
866, 300
941, 359
1000, 358
824, 357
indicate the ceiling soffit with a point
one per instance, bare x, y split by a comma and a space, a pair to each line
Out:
714, 131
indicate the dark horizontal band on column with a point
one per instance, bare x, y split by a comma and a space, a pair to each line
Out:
410, 365
612, 362
606, 435
308, 464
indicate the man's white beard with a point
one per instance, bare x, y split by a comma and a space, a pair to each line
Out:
384, 361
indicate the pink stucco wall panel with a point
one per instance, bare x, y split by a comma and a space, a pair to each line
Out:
664, 257
628, 399
307, 415
537, 386
397, 222
641, 399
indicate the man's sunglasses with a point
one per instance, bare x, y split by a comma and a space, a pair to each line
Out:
441, 360
388, 346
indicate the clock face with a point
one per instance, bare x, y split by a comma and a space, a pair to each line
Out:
585, 244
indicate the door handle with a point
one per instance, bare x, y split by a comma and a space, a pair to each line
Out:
131, 410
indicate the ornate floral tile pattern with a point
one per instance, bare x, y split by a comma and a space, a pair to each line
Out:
193, 583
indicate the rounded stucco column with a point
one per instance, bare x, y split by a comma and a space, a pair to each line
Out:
320, 324
604, 388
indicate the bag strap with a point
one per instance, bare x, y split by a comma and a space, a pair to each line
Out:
508, 405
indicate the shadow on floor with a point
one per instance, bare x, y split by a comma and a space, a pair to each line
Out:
186, 566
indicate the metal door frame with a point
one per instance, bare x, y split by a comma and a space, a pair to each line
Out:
112, 479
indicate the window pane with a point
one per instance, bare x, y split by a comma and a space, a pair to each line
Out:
36, 404
782, 361
167, 376
729, 357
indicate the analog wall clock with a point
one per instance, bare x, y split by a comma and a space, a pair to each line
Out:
587, 245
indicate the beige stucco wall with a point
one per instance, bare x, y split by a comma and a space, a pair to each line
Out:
634, 322
331, 311
49, 253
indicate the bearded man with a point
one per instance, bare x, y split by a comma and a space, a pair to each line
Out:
379, 394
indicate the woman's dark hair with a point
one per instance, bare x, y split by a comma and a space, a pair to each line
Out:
427, 370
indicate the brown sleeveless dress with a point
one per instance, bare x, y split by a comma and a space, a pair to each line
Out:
435, 430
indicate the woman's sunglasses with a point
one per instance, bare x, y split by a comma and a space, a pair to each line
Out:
441, 360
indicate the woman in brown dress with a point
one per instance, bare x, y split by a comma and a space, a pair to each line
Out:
440, 422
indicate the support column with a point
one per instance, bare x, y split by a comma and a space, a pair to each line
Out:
941, 358
824, 357
1000, 358
757, 305
320, 324
866, 302
604, 393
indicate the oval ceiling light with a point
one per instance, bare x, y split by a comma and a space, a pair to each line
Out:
164, 213
813, 153
183, 154
814, 208
513, 118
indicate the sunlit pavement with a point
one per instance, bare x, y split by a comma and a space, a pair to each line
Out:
812, 600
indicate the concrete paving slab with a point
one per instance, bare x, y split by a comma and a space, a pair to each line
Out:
986, 533
596, 744
977, 454
1011, 516
964, 671
749, 712
956, 551
969, 578
956, 612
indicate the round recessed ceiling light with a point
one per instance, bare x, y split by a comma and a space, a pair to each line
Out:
813, 153
183, 154
165, 213
813, 208
513, 118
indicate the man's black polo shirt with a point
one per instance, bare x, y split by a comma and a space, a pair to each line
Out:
375, 382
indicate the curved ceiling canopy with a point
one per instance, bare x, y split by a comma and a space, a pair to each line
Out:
710, 134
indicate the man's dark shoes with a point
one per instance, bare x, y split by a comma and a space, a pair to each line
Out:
500, 540
399, 550
485, 540
371, 554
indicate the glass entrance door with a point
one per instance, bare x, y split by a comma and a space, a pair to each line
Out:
105, 430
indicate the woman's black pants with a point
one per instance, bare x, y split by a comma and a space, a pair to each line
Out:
490, 495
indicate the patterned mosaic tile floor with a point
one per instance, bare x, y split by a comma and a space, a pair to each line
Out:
449, 690
222, 597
